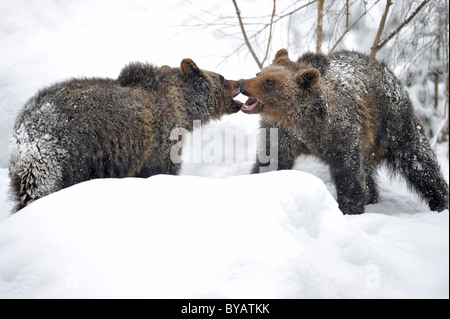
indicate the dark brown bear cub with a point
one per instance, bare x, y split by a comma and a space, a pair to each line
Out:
351, 112
82, 129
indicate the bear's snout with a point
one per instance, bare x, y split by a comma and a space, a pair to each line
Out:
242, 87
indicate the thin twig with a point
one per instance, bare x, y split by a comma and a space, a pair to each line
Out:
289, 32
349, 28
374, 48
319, 25
249, 46
347, 12
281, 17
295, 10
270, 32
393, 33
289, 14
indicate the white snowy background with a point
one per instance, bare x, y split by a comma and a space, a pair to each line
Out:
215, 231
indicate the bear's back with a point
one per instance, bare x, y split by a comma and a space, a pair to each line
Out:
78, 104
90, 120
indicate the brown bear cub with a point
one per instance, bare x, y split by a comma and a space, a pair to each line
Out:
350, 111
83, 129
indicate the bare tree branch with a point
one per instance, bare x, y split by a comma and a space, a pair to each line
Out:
353, 24
270, 31
249, 46
295, 10
374, 48
289, 14
396, 31
347, 13
443, 130
319, 25
247, 39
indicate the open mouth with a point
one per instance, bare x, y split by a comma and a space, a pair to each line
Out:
251, 103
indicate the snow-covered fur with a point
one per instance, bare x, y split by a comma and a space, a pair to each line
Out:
350, 111
83, 129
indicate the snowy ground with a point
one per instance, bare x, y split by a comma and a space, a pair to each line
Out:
273, 235
215, 231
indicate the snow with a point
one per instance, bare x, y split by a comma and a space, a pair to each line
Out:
215, 231
272, 235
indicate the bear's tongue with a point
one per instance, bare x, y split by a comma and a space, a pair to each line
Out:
251, 103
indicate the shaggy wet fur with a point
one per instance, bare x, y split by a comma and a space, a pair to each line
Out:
83, 129
350, 111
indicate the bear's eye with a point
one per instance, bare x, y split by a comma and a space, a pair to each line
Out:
269, 81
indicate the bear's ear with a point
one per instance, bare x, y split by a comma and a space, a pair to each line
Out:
308, 79
189, 68
281, 56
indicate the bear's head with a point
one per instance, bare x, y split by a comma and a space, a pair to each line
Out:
207, 93
279, 89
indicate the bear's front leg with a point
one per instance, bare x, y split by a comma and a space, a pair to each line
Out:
349, 180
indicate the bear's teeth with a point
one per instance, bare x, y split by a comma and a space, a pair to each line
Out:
251, 101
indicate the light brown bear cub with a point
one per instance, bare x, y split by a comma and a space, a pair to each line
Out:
350, 111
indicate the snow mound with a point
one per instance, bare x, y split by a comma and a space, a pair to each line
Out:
273, 235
